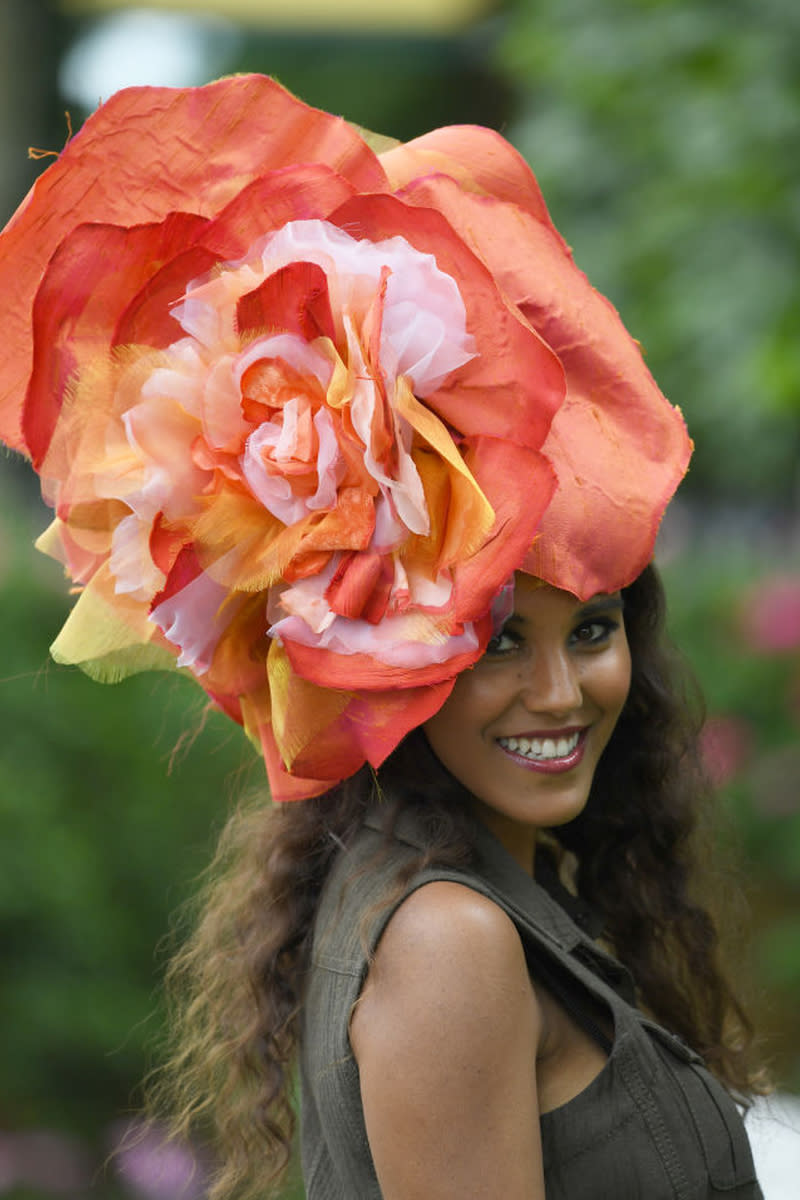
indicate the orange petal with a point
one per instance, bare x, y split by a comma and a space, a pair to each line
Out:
325, 735
348, 730
292, 300
469, 515
361, 586
370, 728
519, 484
146, 153
301, 192
618, 467
234, 526
618, 447
165, 544
261, 549
78, 304
478, 159
301, 712
239, 662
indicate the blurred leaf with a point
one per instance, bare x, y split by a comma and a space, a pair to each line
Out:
664, 134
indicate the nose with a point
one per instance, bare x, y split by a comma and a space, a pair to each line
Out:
550, 683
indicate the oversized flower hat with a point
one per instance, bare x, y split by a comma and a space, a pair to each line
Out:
304, 399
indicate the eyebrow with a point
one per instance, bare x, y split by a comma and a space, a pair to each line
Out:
602, 604
598, 604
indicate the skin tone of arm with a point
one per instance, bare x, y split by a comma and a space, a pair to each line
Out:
446, 1035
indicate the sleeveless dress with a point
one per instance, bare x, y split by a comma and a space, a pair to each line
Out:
653, 1125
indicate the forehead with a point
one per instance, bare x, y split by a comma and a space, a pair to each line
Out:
534, 599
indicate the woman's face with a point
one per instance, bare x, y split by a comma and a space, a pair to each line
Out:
523, 730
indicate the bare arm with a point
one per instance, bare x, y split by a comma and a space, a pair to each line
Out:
446, 1035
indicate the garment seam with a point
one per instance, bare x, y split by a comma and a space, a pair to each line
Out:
592, 1145
337, 968
659, 1133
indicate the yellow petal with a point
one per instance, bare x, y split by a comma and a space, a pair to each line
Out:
109, 636
300, 710
476, 515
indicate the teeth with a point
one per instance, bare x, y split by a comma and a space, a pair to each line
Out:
541, 748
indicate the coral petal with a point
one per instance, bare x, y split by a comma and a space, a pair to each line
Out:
144, 134
78, 304
364, 672
479, 159
520, 484
361, 586
598, 533
299, 292
147, 319
307, 191
618, 447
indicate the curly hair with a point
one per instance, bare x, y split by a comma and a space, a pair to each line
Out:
236, 985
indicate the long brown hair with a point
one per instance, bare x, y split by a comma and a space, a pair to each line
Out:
236, 985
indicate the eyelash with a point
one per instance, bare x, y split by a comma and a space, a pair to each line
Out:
606, 625
492, 649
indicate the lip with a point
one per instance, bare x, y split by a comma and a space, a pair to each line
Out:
566, 732
550, 766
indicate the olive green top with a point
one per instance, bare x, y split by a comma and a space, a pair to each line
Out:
654, 1124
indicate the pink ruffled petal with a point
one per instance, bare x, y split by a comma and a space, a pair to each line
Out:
193, 619
130, 563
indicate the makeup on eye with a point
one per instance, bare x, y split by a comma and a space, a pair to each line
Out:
600, 618
600, 629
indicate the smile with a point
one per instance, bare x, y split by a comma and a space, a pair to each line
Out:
556, 755
542, 749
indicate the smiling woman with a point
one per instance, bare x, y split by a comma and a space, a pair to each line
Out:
524, 729
347, 437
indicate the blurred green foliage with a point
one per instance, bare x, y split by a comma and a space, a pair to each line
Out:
716, 588
665, 136
106, 819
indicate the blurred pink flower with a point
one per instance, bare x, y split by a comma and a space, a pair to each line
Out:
153, 1166
725, 745
770, 615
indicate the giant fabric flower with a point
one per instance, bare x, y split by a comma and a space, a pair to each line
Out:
289, 397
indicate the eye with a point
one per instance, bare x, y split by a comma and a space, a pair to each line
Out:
502, 643
595, 632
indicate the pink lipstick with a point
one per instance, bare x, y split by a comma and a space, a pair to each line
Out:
550, 753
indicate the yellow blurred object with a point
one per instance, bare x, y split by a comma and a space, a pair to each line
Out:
389, 16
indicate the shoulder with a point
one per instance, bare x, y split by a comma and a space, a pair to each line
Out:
450, 963
448, 926
446, 1034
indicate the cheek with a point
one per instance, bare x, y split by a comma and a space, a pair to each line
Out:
473, 700
461, 718
442, 734
609, 681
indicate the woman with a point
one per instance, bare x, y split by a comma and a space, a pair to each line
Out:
347, 436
